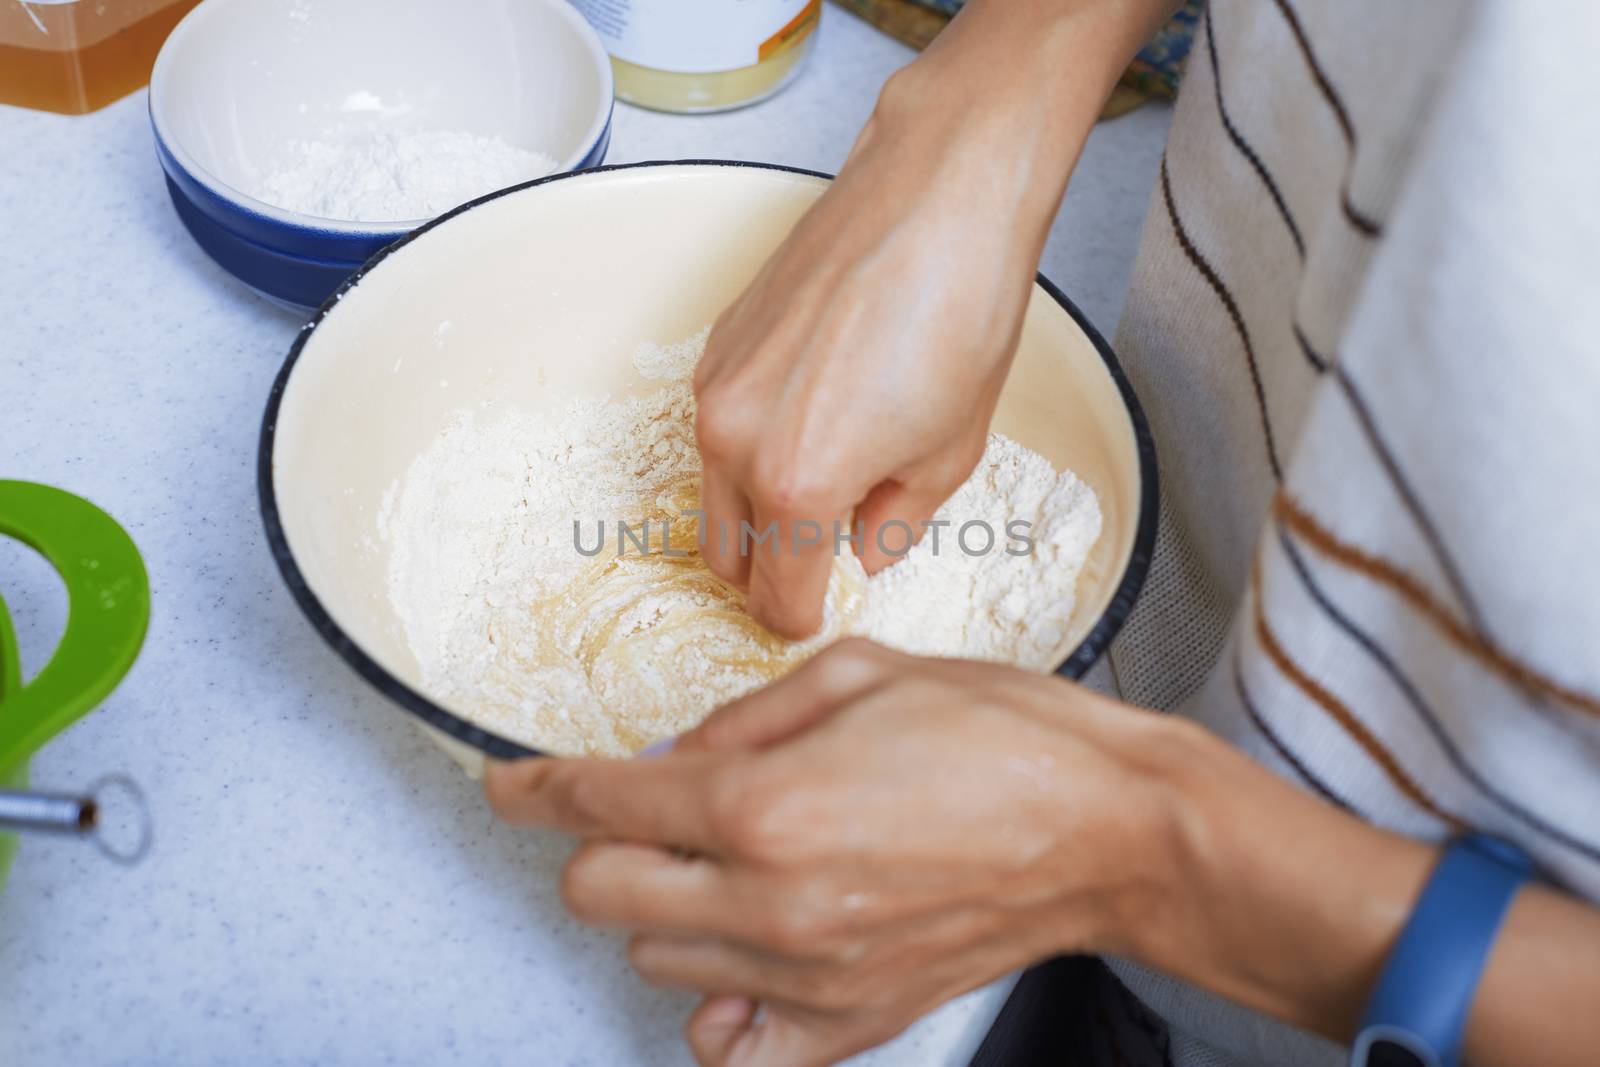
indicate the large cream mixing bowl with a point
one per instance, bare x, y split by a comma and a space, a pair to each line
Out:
546, 291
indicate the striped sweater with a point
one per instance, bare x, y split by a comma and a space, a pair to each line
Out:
1366, 325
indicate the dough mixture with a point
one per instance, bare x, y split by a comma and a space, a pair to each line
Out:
603, 654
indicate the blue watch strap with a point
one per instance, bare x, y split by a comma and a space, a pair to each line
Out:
1425, 993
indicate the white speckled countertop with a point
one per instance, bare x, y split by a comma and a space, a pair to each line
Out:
326, 887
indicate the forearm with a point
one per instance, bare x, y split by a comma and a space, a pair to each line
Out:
1002, 101
1538, 998
1289, 906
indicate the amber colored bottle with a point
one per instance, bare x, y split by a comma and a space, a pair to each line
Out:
75, 56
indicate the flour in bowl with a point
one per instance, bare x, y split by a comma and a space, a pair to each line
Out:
365, 172
516, 628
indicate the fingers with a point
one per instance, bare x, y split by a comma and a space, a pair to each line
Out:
895, 513
669, 800
837, 675
645, 887
892, 518
709, 965
661, 802
789, 573
712, 965
771, 506
725, 433
724, 511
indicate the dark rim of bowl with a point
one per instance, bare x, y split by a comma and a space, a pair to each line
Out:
1075, 665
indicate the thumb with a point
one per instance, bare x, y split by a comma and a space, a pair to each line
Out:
833, 677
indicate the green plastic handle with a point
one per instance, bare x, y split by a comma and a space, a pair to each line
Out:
10, 661
10, 682
108, 609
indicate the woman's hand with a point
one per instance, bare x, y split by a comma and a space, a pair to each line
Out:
853, 382
862, 841
877, 833
855, 379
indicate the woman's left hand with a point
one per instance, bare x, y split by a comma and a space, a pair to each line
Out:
854, 845
863, 840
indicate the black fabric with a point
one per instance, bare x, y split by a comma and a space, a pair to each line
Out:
1389, 1054
1073, 1012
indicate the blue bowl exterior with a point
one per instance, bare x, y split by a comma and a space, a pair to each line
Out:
294, 265
293, 281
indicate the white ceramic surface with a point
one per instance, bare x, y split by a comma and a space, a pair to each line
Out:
239, 80
545, 293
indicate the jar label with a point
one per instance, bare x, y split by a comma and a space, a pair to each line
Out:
699, 36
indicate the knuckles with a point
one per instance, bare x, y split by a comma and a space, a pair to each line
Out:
772, 825
797, 925
741, 816
850, 658
721, 425
827, 989
784, 482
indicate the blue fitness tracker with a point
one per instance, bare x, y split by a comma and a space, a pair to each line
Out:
1418, 1013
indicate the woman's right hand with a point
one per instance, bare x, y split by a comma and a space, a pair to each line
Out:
854, 380
856, 376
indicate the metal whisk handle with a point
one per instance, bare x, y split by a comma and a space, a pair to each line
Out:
62, 813
49, 813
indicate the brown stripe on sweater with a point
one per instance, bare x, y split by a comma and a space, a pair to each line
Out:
1472, 642
1390, 666
1336, 709
1412, 502
1232, 307
1359, 220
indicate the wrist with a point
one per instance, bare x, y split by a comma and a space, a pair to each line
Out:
1139, 842
1066, 55
1172, 759
1276, 900
1004, 99
964, 153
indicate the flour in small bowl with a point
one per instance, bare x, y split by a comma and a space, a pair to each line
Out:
576, 654
369, 172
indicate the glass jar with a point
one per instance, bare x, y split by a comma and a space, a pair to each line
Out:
75, 56
703, 55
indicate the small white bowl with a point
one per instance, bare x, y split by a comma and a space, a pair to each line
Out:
239, 80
